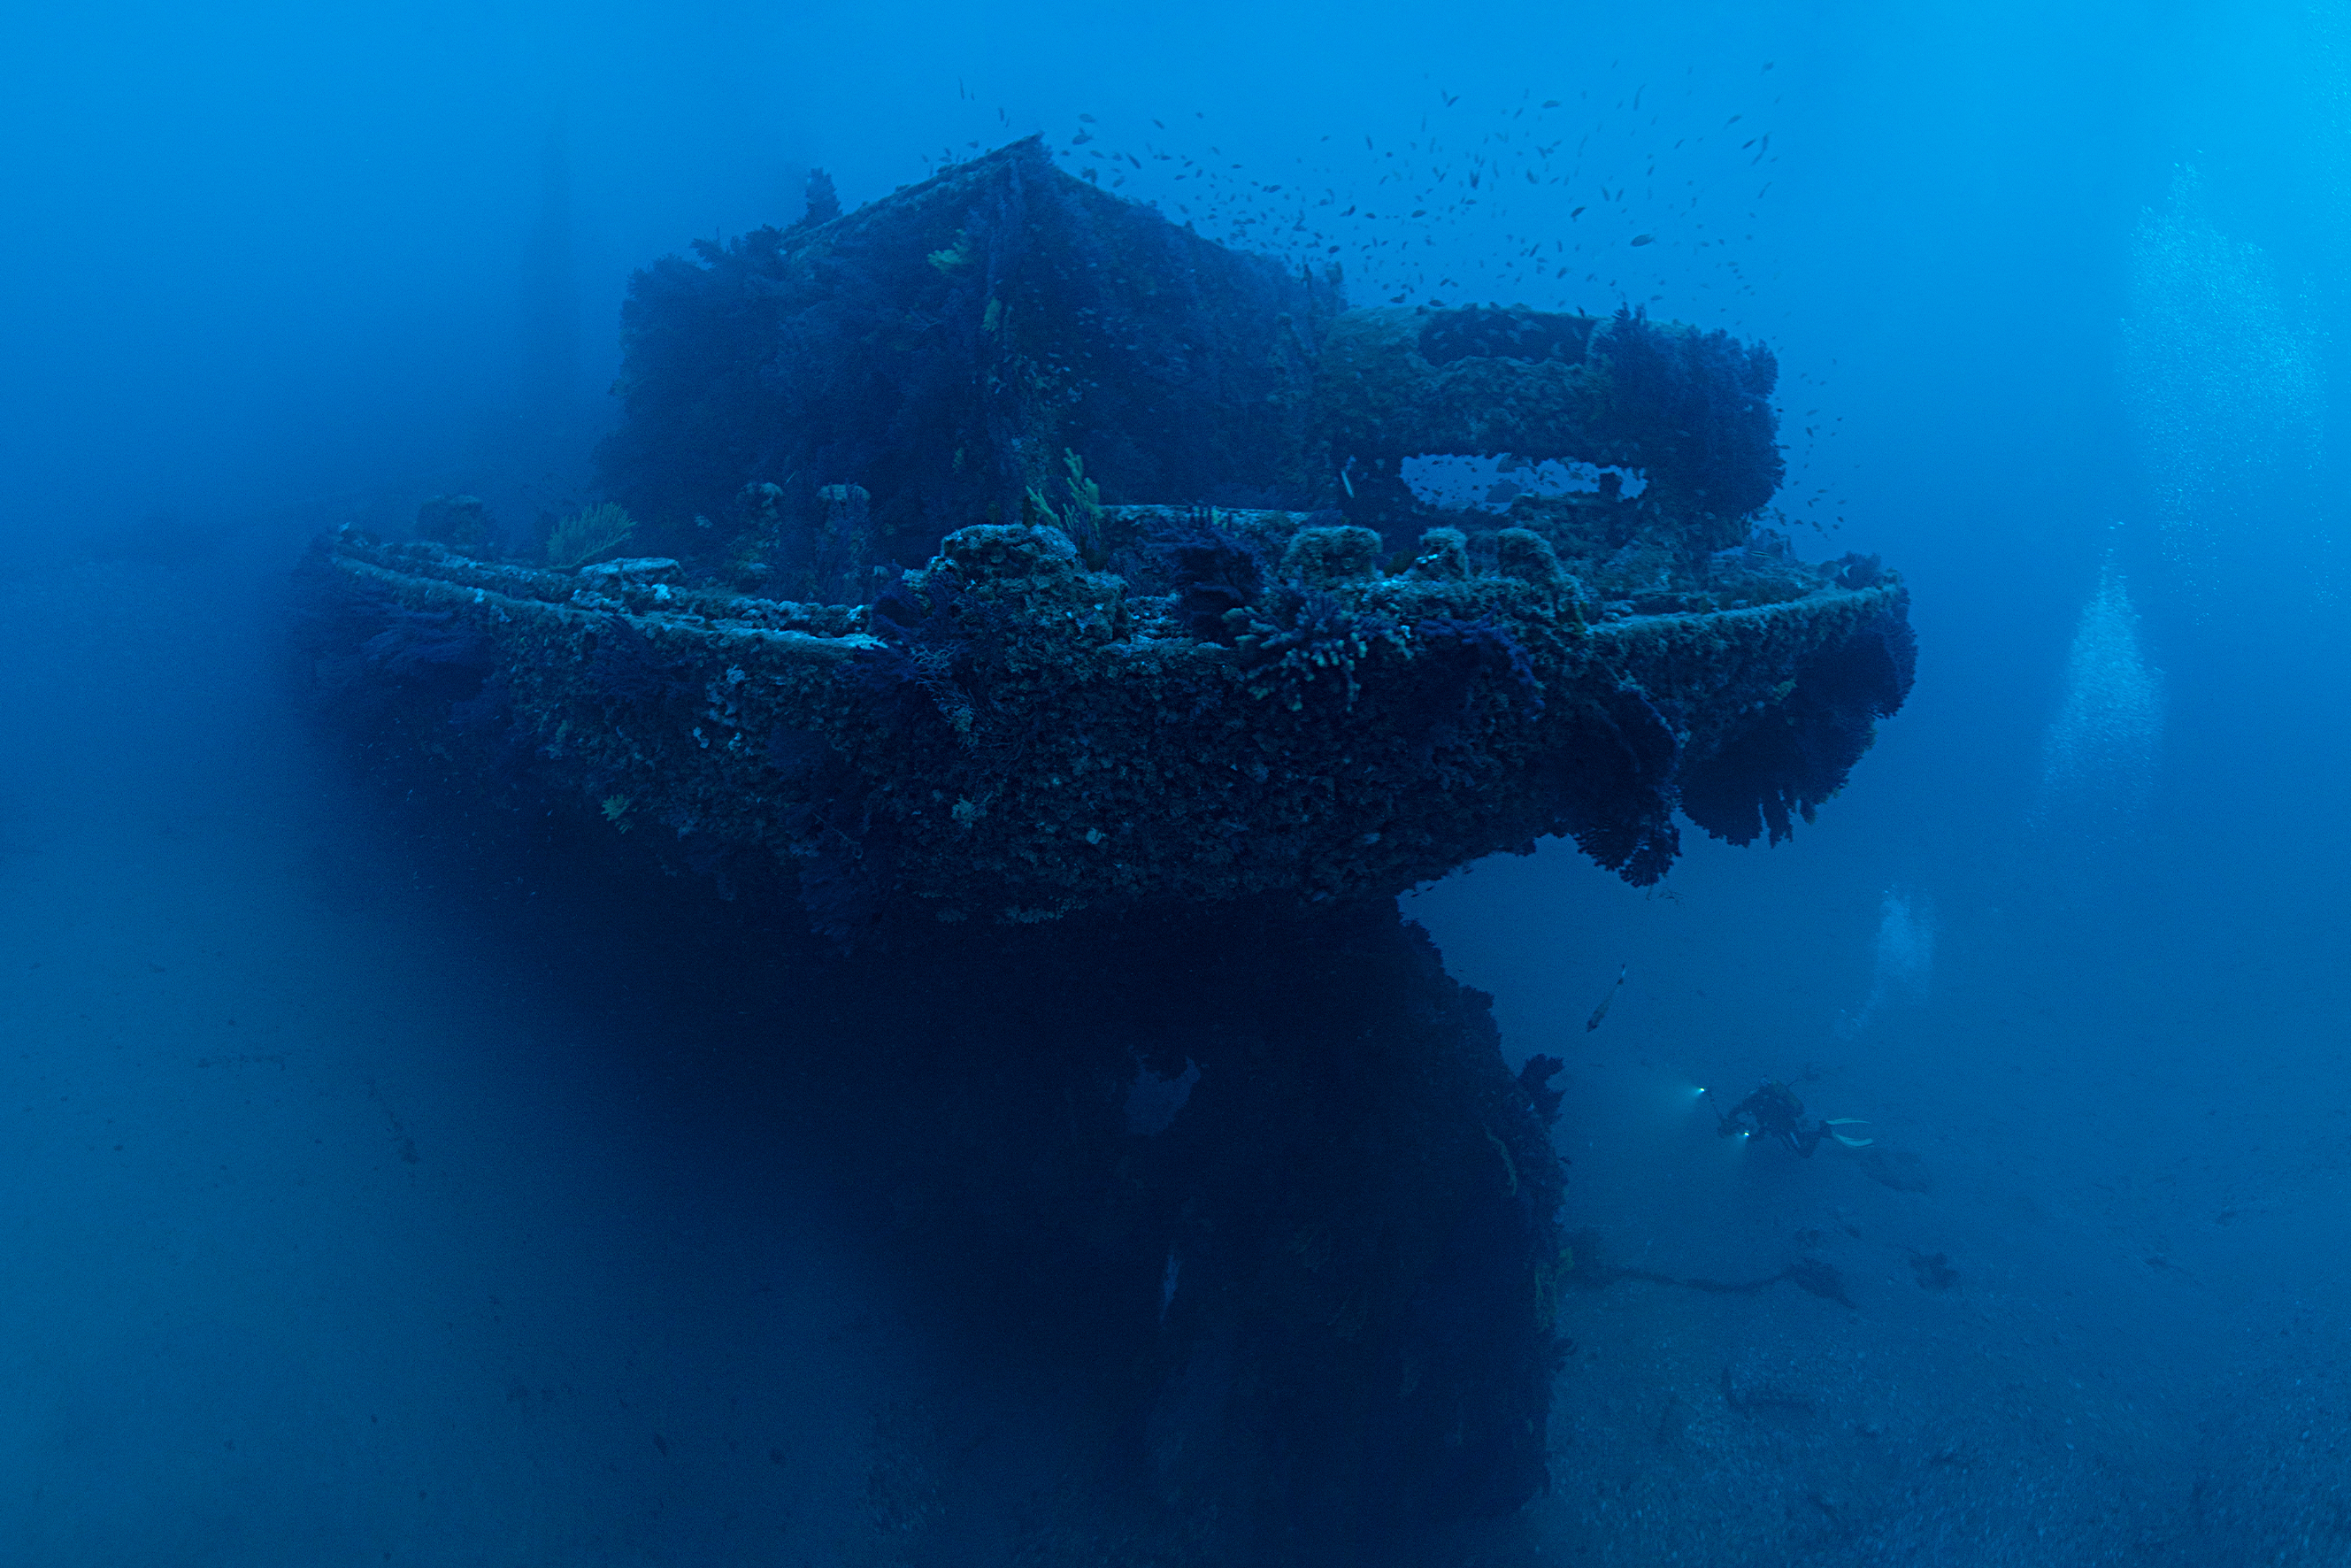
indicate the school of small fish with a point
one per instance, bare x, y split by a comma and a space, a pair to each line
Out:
1619, 192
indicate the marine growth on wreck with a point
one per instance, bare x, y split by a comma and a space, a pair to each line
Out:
1214, 589
1049, 608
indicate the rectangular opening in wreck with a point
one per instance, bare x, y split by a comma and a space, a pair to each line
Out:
1462, 482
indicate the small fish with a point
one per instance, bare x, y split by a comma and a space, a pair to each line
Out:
1601, 1010
1644, 239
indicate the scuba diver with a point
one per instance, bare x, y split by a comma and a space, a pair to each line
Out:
1774, 1111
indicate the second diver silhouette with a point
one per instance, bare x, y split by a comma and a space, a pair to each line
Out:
1773, 1111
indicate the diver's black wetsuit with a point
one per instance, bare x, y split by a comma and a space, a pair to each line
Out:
1774, 1111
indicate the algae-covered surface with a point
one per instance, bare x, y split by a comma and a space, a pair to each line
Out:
1013, 738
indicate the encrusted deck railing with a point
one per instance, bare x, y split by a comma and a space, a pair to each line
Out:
1010, 736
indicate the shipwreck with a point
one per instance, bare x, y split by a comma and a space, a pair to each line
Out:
1015, 566
1185, 632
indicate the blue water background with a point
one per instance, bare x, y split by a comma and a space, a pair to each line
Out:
352, 1219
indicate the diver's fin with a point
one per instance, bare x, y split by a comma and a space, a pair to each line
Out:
1853, 1142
